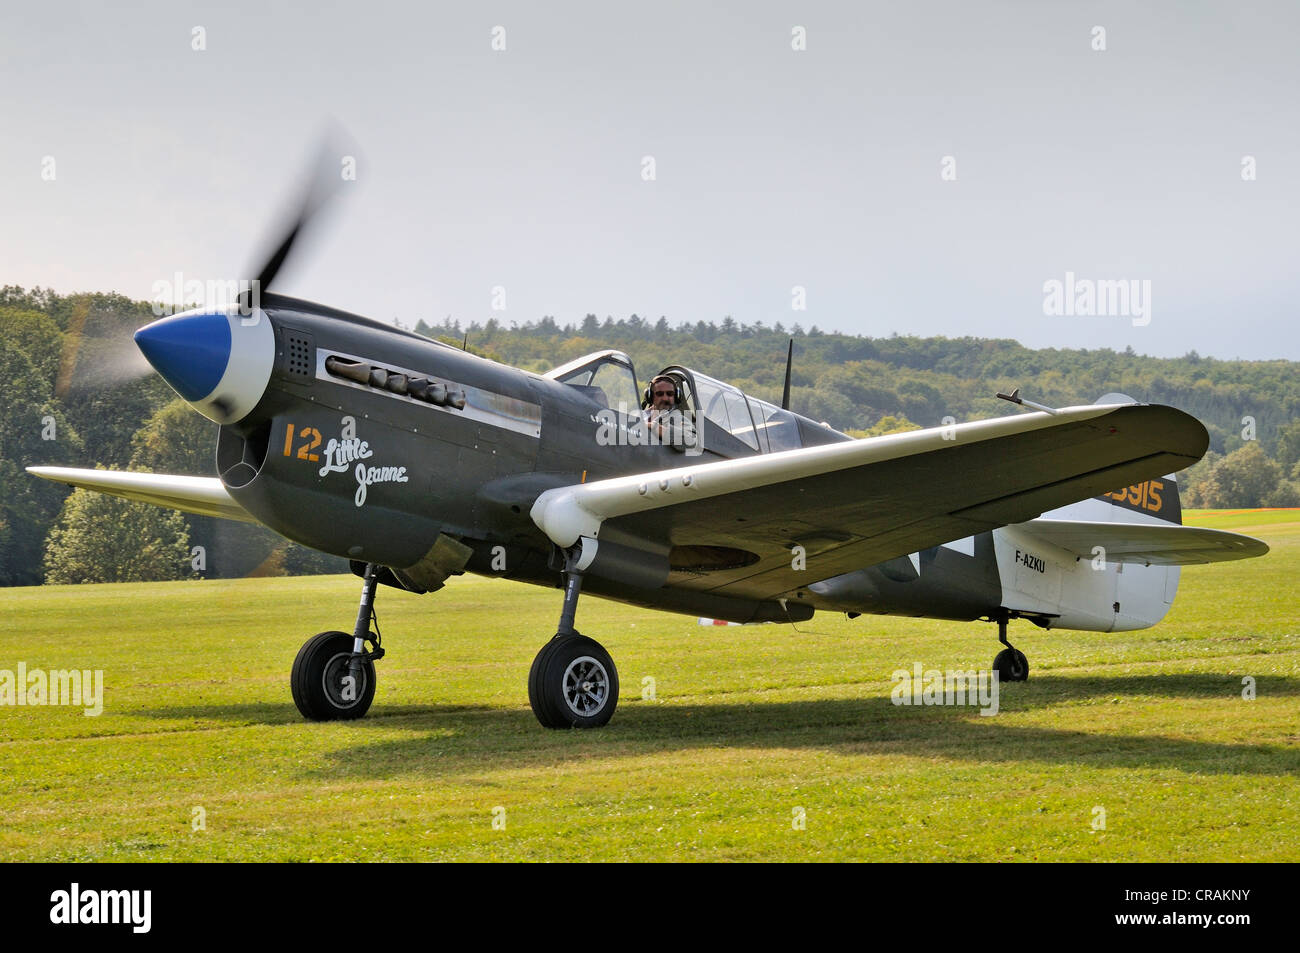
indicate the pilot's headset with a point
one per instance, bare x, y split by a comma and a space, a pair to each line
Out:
647, 401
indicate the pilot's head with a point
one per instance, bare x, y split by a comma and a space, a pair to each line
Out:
663, 393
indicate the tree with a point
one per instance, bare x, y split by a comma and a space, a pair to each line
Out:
891, 424
33, 431
1288, 446
105, 385
1286, 494
37, 336
1242, 479
301, 561
101, 538
1191, 480
176, 439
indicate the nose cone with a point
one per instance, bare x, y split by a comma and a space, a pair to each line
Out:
191, 351
219, 361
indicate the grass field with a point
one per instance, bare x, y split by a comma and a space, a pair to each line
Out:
750, 724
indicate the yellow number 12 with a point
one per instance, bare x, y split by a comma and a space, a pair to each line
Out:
311, 440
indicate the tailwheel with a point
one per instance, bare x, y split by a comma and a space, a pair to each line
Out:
325, 685
1011, 665
573, 683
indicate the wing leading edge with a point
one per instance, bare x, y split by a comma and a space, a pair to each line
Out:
202, 495
852, 505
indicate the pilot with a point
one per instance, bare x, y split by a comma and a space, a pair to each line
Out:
667, 422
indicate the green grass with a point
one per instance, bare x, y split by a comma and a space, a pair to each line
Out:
750, 723
1235, 519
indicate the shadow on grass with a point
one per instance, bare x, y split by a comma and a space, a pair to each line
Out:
1038, 690
275, 713
467, 739
1181, 685
487, 740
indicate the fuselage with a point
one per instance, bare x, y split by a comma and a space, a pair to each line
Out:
384, 446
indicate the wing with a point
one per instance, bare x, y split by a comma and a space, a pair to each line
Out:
202, 495
1145, 543
732, 526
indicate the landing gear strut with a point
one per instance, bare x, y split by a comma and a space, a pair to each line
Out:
573, 682
1010, 664
334, 676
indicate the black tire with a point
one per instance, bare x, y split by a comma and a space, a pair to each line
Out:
540, 661
1011, 665
573, 683
317, 679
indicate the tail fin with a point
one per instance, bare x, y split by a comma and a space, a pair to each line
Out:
1153, 499
1158, 498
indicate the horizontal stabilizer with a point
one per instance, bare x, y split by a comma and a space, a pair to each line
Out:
1157, 545
202, 495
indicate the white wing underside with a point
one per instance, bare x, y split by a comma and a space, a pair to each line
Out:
204, 496
1144, 543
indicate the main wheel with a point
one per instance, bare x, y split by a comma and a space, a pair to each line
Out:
1011, 665
573, 683
321, 687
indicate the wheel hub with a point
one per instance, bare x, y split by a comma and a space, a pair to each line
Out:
586, 686
332, 680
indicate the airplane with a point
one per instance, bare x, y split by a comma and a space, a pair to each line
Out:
418, 461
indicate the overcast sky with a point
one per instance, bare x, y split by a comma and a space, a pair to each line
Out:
773, 167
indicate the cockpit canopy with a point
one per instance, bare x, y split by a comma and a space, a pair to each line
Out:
755, 423
734, 421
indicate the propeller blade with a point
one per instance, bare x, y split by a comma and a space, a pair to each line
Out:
324, 180
272, 266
